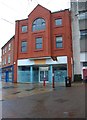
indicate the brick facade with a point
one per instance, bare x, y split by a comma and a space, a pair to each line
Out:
38, 57
7, 58
49, 49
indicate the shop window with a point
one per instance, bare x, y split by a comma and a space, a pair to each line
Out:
58, 22
39, 24
23, 68
23, 46
24, 28
59, 42
39, 43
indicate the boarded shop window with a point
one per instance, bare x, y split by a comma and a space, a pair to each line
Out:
23, 46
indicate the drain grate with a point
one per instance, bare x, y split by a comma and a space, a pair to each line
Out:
29, 89
7, 87
16, 92
61, 100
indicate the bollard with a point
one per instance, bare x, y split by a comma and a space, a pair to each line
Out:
44, 82
53, 84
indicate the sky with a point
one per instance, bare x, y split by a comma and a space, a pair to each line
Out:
12, 10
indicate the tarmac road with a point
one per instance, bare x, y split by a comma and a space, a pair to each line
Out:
60, 102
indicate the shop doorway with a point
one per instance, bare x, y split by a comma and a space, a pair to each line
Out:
43, 74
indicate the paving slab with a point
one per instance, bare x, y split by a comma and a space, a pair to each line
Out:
45, 102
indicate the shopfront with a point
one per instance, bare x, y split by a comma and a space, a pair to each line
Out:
7, 74
35, 72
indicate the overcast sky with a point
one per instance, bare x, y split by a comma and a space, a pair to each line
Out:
12, 10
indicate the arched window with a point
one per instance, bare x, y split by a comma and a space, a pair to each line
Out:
39, 24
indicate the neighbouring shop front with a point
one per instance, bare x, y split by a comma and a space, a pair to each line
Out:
7, 74
38, 72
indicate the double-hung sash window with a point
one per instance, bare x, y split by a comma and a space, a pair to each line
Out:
58, 22
9, 58
59, 42
24, 28
39, 42
23, 46
9, 46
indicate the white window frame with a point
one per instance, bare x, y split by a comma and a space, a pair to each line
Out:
24, 28
58, 22
59, 40
9, 46
5, 49
9, 59
5, 61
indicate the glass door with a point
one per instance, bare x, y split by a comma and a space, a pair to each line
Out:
43, 74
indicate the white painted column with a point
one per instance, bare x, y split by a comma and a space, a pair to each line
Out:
75, 37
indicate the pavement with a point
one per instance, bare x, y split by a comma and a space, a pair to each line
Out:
37, 101
17, 90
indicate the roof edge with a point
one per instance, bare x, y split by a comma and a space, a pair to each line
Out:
8, 41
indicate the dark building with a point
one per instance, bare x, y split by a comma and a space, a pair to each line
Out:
7, 60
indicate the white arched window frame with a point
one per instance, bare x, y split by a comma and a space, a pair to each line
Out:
38, 24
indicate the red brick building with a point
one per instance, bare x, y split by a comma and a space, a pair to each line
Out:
7, 60
43, 46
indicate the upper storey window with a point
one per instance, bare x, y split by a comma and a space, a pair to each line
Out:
9, 46
39, 24
59, 42
24, 46
83, 16
24, 28
58, 22
83, 34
